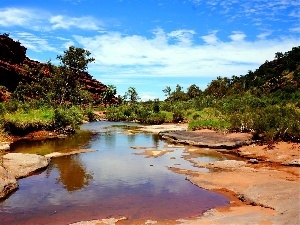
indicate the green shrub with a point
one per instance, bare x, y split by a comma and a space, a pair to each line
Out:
168, 116
178, 116
64, 116
209, 124
23, 121
89, 113
273, 122
154, 118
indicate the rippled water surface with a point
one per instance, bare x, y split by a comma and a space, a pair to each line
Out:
116, 180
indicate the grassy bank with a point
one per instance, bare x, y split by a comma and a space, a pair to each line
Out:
268, 118
25, 118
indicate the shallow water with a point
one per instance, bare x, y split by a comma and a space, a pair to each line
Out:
116, 180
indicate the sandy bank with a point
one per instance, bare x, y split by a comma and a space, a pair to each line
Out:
18, 165
263, 185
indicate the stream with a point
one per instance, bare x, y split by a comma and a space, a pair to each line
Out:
116, 180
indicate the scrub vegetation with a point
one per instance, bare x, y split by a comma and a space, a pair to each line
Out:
265, 102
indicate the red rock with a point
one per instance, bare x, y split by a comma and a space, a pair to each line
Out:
16, 67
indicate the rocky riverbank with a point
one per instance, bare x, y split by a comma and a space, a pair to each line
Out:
263, 183
14, 166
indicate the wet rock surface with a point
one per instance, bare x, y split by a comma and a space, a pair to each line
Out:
8, 183
22, 165
207, 139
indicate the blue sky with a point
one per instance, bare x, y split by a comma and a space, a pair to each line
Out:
151, 44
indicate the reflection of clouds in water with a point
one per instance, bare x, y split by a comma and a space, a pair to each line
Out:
111, 177
134, 171
36, 190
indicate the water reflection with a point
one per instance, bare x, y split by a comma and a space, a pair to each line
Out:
155, 139
43, 147
110, 182
68, 167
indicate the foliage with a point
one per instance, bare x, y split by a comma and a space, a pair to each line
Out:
108, 94
208, 118
76, 59
193, 91
177, 95
23, 121
265, 102
73, 63
64, 116
64, 83
218, 88
90, 114
208, 124
131, 95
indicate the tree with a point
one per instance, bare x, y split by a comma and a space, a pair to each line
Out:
76, 59
193, 91
131, 95
279, 55
178, 94
73, 63
218, 88
108, 94
167, 91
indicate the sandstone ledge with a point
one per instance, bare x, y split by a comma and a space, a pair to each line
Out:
207, 138
8, 183
19, 165
22, 165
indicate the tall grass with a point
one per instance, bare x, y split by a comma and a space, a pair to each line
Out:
30, 119
26, 120
208, 118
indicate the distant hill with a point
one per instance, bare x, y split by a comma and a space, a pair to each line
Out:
15, 67
281, 74
279, 77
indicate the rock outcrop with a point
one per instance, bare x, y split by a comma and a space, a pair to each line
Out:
22, 165
8, 183
208, 139
15, 66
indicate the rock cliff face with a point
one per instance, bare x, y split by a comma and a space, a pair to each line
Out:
16, 67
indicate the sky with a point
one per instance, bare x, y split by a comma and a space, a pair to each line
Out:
151, 44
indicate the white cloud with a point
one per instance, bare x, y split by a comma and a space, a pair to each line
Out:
264, 34
295, 29
184, 37
64, 22
39, 20
295, 13
22, 17
35, 43
210, 38
268, 10
237, 36
133, 56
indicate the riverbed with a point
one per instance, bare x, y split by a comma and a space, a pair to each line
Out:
119, 179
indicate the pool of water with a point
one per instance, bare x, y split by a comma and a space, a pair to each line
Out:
116, 180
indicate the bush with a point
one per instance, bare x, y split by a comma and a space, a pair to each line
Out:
273, 122
23, 121
209, 124
64, 116
178, 116
89, 113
